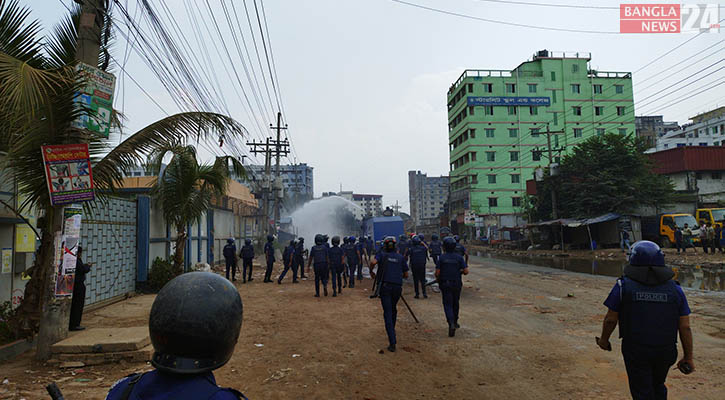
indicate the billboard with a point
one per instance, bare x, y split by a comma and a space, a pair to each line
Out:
97, 97
68, 173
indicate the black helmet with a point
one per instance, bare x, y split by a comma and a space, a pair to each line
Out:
230, 240
345, 239
402, 238
325, 238
389, 243
194, 323
449, 244
301, 240
434, 237
247, 241
335, 240
456, 238
416, 240
292, 242
421, 237
270, 238
319, 239
352, 239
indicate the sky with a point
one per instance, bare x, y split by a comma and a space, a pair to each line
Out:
364, 82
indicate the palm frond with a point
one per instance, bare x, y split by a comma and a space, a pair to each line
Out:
237, 168
19, 36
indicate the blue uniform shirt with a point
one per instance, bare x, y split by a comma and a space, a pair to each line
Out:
247, 251
460, 249
335, 254
435, 247
269, 250
287, 255
360, 247
300, 251
614, 300
451, 266
351, 254
319, 254
394, 265
230, 251
417, 255
162, 386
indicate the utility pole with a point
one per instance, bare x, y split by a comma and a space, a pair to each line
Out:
55, 312
270, 148
551, 150
278, 151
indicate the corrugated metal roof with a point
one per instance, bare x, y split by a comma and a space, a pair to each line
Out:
688, 158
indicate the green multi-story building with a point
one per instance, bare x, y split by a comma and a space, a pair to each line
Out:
500, 124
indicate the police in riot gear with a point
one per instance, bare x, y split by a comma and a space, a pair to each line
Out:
194, 325
391, 268
269, 255
449, 269
352, 258
362, 253
417, 256
319, 255
460, 249
336, 254
435, 248
651, 309
402, 244
299, 257
287, 260
230, 258
247, 255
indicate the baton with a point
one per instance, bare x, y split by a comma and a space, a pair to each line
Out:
54, 391
409, 309
431, 282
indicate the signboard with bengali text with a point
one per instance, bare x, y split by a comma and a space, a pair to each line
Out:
97, 97
68, 173
508, 101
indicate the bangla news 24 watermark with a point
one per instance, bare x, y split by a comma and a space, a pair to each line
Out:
669, 18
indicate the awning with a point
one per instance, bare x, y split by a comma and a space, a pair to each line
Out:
574, 223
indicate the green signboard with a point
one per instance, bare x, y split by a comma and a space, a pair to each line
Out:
97, 97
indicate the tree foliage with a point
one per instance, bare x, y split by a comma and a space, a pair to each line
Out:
608, 173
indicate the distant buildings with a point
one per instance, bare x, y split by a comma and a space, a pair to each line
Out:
706, 129
371, 205
694, 170
428, 197
652, 127
297, 179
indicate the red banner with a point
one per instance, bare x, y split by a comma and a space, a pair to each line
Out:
68, 173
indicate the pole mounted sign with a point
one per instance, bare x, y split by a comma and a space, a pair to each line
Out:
97, 97
68, 173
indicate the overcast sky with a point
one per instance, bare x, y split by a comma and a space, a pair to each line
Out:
364, 82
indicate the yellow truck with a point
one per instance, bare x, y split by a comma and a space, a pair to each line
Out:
661, 228
715, 216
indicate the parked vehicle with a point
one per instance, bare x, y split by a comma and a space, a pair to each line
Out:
715, 216
381, 227
661, 228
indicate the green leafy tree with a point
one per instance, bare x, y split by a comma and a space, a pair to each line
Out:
38, 83
604, 174
185, 189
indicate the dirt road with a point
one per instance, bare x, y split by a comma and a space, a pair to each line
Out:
521, 338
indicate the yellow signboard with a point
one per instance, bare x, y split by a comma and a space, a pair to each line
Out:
7, 263
25, 237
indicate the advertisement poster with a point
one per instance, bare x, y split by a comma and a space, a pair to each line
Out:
68, 173
7, 260
97, 98
66, 250
25, 239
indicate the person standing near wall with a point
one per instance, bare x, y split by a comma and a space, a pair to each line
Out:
247, 255
269, 255
230, 258
79, 292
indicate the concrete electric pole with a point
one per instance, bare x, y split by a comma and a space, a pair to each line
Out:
271, 148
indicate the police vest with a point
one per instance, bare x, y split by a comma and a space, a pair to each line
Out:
435, 247
351, 254
157, 386
392, 263
287, 256
335, 254
649, 315
418, 255
451, 266
229, 251
269, 250
247, 251
300, 251
460, 249
319, 254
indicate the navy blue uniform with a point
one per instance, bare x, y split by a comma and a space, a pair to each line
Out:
436, 249
230, 258
648, 325
417, 257
165, 386
450, 267
369, 247
320, 257
392, 265
299, 259
360, 248
287, 259
352, 258
269, 252
247, 254
336, 268
460, 249
402, 246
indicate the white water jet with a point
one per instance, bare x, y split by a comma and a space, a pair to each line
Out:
322, 216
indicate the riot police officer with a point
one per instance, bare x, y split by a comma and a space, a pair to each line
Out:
650, 309
299, 257
269, 255
362, 254
460, 249
336, 255
194, 325
392, 269
402, 244
352, 258
247, 255
448, 273
435, 248
287, 259
417, 257
230, 258
319, 254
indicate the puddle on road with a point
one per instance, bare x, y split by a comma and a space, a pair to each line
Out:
704, 278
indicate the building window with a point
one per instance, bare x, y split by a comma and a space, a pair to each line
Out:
622, 131
490, 132
716, 175
470, 110
574, 68
516, 201
556, 119
488, 87
515, 178
698, 175
553, 96
512, 110
536, 155
490, 156
532, 88
493, 201
513, 155
618, 89
553, 76
473, 156
575, 88
600, 131
533, 110
474, 180
556, 140
491, 179
470, 88
488, 110
576, 110
473, 133
534, 132
510, 88
598, 110
597, 89
703, 143
513, 132
620, 110
578, 132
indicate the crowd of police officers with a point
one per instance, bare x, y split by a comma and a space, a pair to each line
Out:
196, 318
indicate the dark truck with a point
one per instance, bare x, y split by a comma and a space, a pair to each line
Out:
661, 228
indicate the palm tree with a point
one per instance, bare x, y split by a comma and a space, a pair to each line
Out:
37, 88
185, 189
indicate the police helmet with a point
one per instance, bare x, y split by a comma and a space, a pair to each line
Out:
194, 323
230, 240
345, 239
434, 237
416, 240
449, 244
325, 238
421, 237
319, 239
456, 238
352, 239
402, 238
389, 243
247, 241
270, 238
292, 242
301, 240
335, 240
647, 254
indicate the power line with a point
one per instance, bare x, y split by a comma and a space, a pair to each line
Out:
684, 59
524, 3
